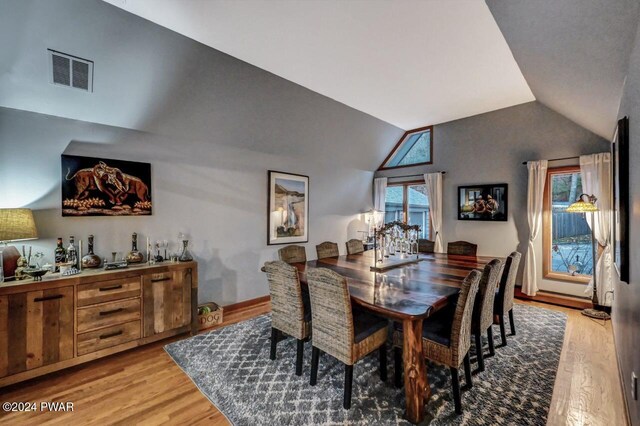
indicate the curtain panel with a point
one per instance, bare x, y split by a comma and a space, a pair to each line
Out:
379, 195
433, 183
535, 195
596, 180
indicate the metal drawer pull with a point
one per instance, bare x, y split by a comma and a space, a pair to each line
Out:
113, 287
155, 280
43, 299
106, 336
113, 311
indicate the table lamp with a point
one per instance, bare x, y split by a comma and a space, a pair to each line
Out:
15, 225
589, 206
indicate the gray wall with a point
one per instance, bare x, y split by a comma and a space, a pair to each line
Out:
626, 302
490, 148
214, 193
209, 124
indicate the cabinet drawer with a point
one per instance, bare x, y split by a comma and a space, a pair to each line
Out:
106, 291
106, 337
106, 314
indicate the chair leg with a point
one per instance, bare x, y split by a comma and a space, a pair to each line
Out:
382, 352
315, 357
492, 350
512, 323
397, 367
479, 354
455, 381
503, 333
467, 371
348, 381
274, 342
299, 354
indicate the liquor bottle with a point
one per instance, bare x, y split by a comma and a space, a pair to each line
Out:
72, 252
134, 256
90, 260
60, 254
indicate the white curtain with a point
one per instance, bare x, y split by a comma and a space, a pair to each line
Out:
535, 194
379, 194
434, 192
596, 180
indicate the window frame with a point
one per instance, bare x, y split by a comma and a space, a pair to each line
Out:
405, 200
402, 139
547, 239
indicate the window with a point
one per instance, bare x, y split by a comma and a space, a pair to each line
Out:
408, 203
567, 248
415, 147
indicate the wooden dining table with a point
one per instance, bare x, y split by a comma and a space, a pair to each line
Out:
407, 294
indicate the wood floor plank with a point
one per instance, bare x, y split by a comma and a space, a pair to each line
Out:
144, 386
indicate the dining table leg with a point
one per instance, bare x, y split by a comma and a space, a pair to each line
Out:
416, 384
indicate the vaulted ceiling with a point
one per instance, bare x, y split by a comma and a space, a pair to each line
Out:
573, 53
407, 62
410, 63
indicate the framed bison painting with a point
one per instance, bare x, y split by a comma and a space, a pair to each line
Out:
105, 187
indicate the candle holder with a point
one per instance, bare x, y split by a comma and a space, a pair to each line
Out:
395, 244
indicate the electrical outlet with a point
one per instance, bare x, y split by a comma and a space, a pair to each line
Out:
634, 386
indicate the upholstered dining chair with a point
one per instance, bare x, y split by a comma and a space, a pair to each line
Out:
426, 246
290, 308
293, 254
345, 333
482, 320
447, 337
463, 248
503, 304
327, 249
355, 246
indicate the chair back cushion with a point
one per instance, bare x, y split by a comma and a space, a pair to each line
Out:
463, 248
287, 309
327, 249
293, 254
508, 282
461, 326
354, 246
483, 308
426, 246
331, 313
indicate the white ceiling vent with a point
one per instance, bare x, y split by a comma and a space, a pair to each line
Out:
70, 71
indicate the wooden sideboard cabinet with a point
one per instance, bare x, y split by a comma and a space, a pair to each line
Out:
64, 321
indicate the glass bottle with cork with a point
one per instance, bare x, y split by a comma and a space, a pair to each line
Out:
90, 260
72, 253
60, 254
134, 256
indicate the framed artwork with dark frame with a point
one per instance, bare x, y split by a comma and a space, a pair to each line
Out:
105, 187
483, 202
287, 208
620, 156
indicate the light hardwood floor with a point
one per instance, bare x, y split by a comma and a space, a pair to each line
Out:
144, 386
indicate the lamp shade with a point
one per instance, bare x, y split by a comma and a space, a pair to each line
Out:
582, 206
17, 224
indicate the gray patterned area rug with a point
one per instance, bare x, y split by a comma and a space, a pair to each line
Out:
231, 367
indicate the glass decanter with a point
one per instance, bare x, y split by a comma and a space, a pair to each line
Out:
185, 255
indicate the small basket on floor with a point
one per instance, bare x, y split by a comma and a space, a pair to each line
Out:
210, 318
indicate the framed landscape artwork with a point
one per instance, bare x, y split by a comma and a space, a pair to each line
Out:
288, 208
483, 202
621, 199
105, 187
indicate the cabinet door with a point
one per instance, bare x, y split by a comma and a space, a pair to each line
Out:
166, 301
36, 329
